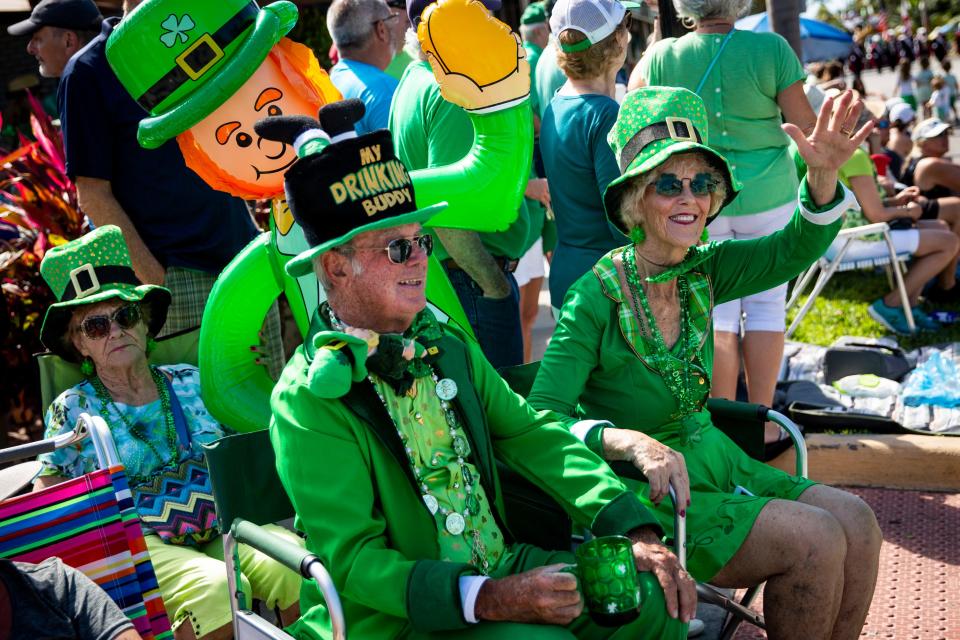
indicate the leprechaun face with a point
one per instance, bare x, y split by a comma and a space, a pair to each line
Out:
227, 134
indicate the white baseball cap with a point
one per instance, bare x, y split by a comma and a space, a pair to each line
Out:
595, 19
929, 128
902, 112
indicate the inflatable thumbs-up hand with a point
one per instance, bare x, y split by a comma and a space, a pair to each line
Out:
479, 63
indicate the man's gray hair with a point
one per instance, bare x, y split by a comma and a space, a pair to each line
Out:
529, 31
351, 22
698, 10
411, 45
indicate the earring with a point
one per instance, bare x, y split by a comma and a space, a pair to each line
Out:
638, 235
86, 367
705, 236
151, 346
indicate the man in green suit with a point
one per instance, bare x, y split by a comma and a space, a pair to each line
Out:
387, 427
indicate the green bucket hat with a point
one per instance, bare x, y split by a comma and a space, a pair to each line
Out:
182, 59
91, 269
655, 124
535, 13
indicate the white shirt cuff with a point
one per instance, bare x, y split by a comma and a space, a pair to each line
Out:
469, 590
583, 428
848, 203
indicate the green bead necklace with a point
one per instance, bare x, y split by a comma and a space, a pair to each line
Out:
136, 430
676, 372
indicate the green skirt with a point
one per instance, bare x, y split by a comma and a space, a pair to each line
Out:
718, 520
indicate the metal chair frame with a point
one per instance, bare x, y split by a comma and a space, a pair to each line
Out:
828, 267
738, 611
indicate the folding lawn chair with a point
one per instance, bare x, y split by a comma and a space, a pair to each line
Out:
742, 422
835, 259
245, 500
90, 524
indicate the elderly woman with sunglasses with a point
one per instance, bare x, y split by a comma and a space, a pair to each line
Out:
105, 320
633, 349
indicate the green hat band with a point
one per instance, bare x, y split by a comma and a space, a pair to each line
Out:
677, 129
199, 57
583, 45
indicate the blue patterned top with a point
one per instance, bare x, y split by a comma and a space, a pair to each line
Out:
137, 457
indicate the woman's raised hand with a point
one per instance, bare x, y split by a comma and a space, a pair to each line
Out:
833, 139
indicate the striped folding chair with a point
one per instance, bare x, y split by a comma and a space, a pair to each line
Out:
91, 525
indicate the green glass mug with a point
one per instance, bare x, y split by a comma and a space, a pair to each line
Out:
607, 578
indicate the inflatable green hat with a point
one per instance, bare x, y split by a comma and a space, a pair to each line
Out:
182, 59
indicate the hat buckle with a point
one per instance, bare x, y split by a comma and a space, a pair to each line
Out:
209, 57
80, 290
685, 132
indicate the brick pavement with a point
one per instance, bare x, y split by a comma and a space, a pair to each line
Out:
918, 589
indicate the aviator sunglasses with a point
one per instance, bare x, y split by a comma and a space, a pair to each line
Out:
702, 184
400, 250
98, 327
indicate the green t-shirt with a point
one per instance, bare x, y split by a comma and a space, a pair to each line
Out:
549, 77
740, 95
533, 56
398, 64
428, 131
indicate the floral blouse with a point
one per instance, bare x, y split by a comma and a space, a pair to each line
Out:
139, 459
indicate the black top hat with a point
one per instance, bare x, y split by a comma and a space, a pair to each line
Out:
342, 184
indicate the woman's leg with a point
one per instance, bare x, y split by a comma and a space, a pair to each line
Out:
271, 582
529, 309
863, 540
194, 589
936, 249
799, 551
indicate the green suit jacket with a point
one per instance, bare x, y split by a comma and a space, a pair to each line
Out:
347, 475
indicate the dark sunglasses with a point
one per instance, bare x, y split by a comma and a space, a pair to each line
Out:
98, 327
400, 250
702, 184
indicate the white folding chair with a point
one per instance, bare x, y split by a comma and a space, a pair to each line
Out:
885, 254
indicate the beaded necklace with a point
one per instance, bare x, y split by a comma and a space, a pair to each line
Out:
136, 430
676, 372
453, 521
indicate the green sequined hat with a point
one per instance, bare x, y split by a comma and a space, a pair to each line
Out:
90, 269
654, 124
182, 59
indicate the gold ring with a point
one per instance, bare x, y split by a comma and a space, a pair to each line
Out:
846, 132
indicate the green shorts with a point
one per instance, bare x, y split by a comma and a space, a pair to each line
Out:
193, 580
719, 520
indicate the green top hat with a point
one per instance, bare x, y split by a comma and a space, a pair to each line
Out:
342, 184
182, 59
535, 13
654, 124
90, 269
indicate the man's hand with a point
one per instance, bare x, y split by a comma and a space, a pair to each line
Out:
538, 190
830, 145
543, 596
910, 194
679, 589
659, 463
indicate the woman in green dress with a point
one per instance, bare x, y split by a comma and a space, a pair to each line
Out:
634, 347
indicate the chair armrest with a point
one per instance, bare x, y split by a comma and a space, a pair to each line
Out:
867, 229
33, 449
296, 559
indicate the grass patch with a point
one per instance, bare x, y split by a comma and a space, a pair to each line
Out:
841, 310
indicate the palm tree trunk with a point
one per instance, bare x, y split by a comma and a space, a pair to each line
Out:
785, 20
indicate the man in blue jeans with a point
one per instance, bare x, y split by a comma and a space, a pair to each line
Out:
428, 131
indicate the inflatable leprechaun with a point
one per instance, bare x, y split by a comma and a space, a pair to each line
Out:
207, 71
